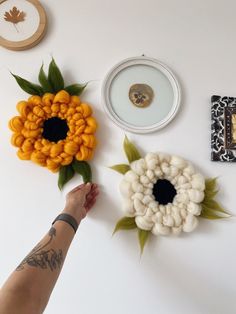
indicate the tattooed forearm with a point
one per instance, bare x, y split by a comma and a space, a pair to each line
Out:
42, 256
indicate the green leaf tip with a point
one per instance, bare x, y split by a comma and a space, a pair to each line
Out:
55, 77
76, 89
211, 209
143, 236
131, 151
43, 80
28, 87
121, 168
125, 223
84, 169
66, 173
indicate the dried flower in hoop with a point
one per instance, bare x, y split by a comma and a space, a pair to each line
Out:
55, 128
14, 16
164, 195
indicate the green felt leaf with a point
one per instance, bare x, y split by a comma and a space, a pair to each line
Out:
212, 214
76, 89
210, 194
211, 209
65, 174
83, 168
55, 77
28, 87
131, 151
121, 168
125, 223
143, 236
211, 184
214, 205
43, 80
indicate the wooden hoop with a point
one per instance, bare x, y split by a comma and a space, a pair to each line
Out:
35, 38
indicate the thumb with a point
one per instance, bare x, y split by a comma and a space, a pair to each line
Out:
86, 189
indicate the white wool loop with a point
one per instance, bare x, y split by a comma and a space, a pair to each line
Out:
143, 222
160, 229
168, 220
190, 224
138, 166
194, 208
152, 164
178, 162
139, 196
147, 199
128, 208
131, 176
144, 180
125, 189
137, 187
196, 196
198, 182
139, 207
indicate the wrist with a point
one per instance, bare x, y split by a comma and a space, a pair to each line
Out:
68, 219
74, 214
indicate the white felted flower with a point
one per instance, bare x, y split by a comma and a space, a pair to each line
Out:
163, 193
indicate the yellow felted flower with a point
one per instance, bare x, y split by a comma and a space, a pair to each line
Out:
54, 128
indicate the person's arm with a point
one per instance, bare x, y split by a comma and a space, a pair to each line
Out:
29, 287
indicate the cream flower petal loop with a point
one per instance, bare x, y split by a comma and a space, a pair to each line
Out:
141, 200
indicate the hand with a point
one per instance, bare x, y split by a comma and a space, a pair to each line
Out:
80, 200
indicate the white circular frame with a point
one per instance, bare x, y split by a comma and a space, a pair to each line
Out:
140, 61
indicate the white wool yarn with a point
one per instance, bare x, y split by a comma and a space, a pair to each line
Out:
139, 201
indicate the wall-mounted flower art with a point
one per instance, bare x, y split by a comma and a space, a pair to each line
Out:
54, 128
163, 194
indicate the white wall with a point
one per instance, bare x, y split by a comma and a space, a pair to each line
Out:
193, 274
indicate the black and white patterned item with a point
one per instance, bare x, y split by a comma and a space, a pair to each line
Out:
223, 147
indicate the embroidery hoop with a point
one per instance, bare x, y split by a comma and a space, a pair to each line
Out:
35, 38
146, 61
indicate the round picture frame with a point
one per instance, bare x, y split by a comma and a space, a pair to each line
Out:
37, 35
110, 80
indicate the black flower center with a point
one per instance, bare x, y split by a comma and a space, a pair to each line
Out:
55, 129
164, 191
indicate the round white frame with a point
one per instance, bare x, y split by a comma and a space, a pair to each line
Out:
140, 61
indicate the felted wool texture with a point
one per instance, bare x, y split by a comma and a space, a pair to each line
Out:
137, 189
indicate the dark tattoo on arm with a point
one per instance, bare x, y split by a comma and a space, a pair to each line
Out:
43, 257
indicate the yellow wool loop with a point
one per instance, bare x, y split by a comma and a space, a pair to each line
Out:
24, 155
62, 97
16, 124
86, 110
17, 139
23, 108
71, 148
48, 99
35, 100
74, 101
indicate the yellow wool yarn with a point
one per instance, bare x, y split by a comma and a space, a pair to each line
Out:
27, 128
